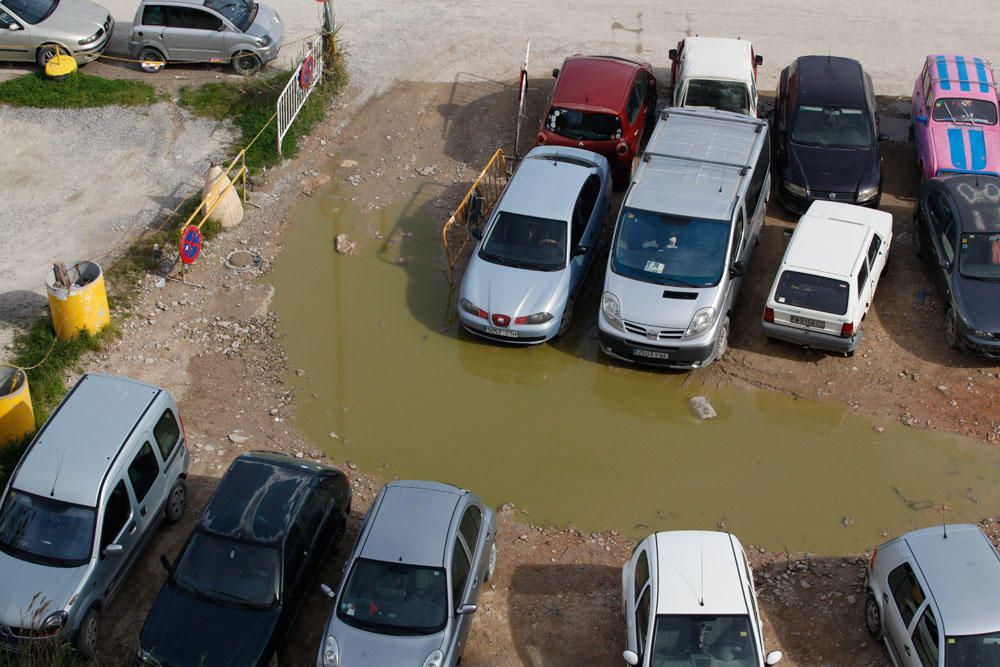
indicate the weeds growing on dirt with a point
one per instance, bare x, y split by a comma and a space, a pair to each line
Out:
77, 90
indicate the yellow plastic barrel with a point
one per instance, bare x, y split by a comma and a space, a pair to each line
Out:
59, 66
221, 198
83, 305
17, 417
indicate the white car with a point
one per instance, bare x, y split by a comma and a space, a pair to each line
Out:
715, 72
689, 599
827, 279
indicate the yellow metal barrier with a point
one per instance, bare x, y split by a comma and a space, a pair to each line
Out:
81, 305
212, 199
17, 418
474, 209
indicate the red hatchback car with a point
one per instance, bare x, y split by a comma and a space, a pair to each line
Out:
602, 104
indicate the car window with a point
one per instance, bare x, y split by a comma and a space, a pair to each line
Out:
723, 95
944, 222
927, 86
756, 187
228, 570
154, 15
6, 19
965, 110
143, 470
526, 242
313, 511
32, 11
195, 19
738, 230
641, 572
862, 277
874, 248
469, 526
116, 513
804, 290
830, 126
295, 554
240, 12
459, 574
925, 639
637, 96
584, 208
167, 433
394, 598
642, 619
906, 592
46, 530
691, 640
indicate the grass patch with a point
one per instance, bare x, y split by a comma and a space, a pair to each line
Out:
78, 90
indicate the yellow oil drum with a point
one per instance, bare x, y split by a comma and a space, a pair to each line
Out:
221, 199
83, 305
17, 417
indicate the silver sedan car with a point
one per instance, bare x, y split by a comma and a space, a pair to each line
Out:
30, 30
412, 580
934, 598
538, 244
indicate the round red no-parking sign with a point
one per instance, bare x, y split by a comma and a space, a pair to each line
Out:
308, 72
190, 244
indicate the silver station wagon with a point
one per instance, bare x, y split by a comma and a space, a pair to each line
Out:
30, 30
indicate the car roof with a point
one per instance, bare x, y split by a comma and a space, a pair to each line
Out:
966, 76
717, 58
258, 498
975, 197
831, 236
594, 82
830, 80
544, 187
695, 163
695, 567
963, 574
79, 443
412, 522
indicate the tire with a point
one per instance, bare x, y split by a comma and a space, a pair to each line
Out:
152, 55
491, 565
86, 636
567, 319
951, 329
176, 503
721, 343
873, 617
246, 63
45, 53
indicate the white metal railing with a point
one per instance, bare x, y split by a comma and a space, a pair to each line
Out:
302, 82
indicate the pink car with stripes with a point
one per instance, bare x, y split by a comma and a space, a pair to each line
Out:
955, 116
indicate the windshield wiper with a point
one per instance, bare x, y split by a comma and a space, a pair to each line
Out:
683, 282
230, 596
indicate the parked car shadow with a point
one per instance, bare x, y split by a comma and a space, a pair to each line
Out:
559, 614
21, 307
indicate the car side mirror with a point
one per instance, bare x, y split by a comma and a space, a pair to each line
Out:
738, 269
758, 60
580, 250
113, 549
14, 26
165, 562
466, 609
631, 657
555, 72
773, 658
944, 264
221, 28
327, 591
922, 119
883, 137
787, 233
672, 54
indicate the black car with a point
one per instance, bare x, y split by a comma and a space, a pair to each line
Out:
958, 236
827, 128
233, 592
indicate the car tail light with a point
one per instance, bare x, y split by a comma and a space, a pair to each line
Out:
541, 139
769, 314
871, 562
847, 330
622, 148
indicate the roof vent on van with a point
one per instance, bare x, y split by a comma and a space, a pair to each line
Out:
685, 296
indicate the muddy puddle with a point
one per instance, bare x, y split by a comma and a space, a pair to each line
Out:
564, 436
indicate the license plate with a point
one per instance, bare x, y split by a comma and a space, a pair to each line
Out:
808, 321
649, 354
506, 333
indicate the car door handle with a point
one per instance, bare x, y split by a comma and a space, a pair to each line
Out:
131, 527
907, 649
142, 511
885, 597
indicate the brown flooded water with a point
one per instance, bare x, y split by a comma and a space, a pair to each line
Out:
565, 436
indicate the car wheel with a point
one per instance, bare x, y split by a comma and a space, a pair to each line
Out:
86, 636
151, 55
246, 63
176, 502
567, 319
47, 52
951, 329
721, 343
873, 617
491, 566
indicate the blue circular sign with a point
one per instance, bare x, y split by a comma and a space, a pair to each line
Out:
190, 244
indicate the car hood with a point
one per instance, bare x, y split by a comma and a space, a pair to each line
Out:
267, 22
832, 169
27, 585
966, 147
504, 289
644, 303
360, 647
77, 16
976, 301
180, 630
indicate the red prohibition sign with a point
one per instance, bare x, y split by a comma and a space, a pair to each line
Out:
308, 72
190, 244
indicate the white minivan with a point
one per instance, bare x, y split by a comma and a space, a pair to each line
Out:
715, 72
827, 278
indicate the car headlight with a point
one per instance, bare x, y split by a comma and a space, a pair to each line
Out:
701, 321
264, 41
54, 622
796, 189
434, 659
982, 334
864, 194
537, 318
141, 656
93, 38
472, 309
612, 310
331, 652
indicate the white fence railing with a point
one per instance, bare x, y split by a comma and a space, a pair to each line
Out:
305, 77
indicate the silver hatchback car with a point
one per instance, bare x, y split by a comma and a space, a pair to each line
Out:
412, 579
241, 32
934, 598
30, 30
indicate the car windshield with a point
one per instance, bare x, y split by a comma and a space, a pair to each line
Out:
669, 249
584, 125
804, 290
964, 110
709, 640
973, 650
724, 95
32, 11
239, 12
526, 242
46, 531
228, 571
394, 598
979, 256
833, 127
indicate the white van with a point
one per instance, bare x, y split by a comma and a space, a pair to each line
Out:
715, 72
827, 279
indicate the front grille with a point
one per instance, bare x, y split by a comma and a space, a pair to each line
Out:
107, 24
652, 333
833, 196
